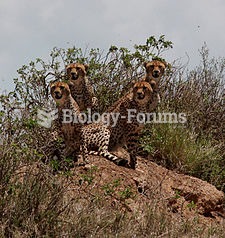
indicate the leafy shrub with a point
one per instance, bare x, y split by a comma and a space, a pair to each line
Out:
196, 147
33, 204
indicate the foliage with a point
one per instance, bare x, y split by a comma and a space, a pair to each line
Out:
108, 72
33, 201
196, 147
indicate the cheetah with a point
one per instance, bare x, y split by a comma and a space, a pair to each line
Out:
64, 101
154, 71
80, 87
127, 130
81, 137
95, 140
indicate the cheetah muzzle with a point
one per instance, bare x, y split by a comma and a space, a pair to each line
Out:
140, 96
74, 76
58, 95
156, 74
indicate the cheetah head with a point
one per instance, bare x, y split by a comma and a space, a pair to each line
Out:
59, 91
76, 70
155, 69
143, 92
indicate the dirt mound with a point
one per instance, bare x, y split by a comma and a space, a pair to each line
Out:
102, 198
184, 196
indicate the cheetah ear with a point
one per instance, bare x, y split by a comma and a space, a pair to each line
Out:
145, 64
86, 66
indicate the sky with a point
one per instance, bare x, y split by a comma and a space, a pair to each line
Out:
30, 29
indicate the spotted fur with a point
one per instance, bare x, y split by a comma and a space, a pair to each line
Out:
88, 137
71, 131
154, 71
95, 140
80, 87
127, 132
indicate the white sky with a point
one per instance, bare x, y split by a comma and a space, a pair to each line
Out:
30, 29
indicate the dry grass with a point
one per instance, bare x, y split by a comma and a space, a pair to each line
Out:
196, 147
35, 202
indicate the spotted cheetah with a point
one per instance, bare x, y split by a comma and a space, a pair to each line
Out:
154, 71
80, 87
95, 140
87, 137
127, 130
64, 101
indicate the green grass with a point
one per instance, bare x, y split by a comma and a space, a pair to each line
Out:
176, 148
34, 202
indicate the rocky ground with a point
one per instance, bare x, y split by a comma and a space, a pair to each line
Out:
184, 196
102, 199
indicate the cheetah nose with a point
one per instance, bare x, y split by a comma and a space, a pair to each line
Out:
74, 75
140, 95
156, 71
57, 95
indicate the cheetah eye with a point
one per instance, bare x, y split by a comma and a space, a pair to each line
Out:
144, 87
61, 87
53, 87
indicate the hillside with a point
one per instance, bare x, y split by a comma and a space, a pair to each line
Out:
103, 200
185, 196
177, 189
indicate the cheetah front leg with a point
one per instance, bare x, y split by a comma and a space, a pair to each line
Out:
85, 153
132, 145
95, 105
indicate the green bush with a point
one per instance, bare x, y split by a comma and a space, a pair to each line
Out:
33, 205
175, 147
196, 147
